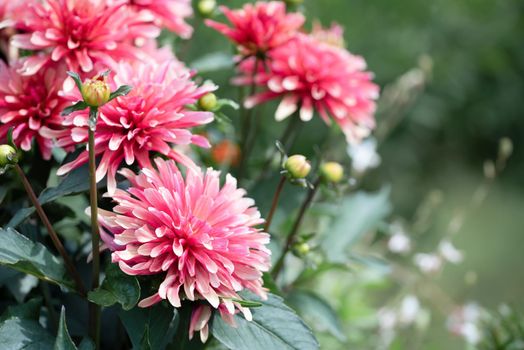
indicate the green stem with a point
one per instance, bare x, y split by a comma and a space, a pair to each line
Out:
50, 230
274, 204
294, 230
94, 309
247, 125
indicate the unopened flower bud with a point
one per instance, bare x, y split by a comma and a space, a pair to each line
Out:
226, 152
206, 7
301, 249
297, 166
96, 91
8, 156
332, 172
208, 102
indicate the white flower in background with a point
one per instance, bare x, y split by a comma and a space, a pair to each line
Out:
464, 322
409, 310
364, 155
399, 243
428, 263
448, 251
387, 318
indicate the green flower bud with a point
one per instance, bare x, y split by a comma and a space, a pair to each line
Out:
8, 156
332, 172
301, 249
96, 91
206, 7
297, 166
208, 102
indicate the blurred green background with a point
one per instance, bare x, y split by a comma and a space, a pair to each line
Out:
475, 97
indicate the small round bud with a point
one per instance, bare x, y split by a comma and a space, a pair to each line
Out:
208, 102
206, 7
226, 152
301, 249
96, 91
8, 155
332, 172
297, 166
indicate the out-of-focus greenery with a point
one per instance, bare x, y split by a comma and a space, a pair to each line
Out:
473, 99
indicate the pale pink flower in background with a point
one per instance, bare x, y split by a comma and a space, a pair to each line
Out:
151, 118
169, 14
27, 104
260, 27
80, 33
201, 236
466, 321
313, 76
333, 35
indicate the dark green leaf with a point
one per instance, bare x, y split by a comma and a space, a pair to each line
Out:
116, 288
80, 105
213, 62
29, 310
317, 312
360, 213
63, 339
247, 303
86, 344
155, 325
75, 182
274, 326
20, 334
121, 91
77, 79
20, 253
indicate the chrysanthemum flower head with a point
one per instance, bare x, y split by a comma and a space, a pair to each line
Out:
168, 14
80, 33
27, 104
202, 237
310, 76
151, 118
260, 27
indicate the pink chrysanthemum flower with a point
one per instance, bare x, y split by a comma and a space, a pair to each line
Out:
80, 33
200, 236
151, 118
260, 27
311, 75
166, 13
27, 104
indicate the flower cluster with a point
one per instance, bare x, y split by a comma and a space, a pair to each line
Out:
308, 72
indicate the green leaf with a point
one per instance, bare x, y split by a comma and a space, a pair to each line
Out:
86, 344
80, 105
21, 334
155, 325
121, 91
213, 62
274, 326
29, 310
317, 312
75, 182
76, 78
360, 213
20, 253
117, 287
63, 339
